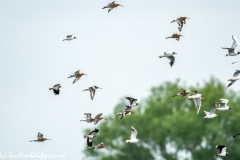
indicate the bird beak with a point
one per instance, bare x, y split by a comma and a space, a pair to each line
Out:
100, 88
182, 36
173, 21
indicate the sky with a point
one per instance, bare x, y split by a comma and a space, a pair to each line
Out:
118, 50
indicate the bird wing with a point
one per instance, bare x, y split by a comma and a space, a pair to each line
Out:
236, 135
235, 42
224, 101
88, 115
56, 85
129, 98
214, 107
172, 60
224, 149
236, 73
76, 79
93, 132
76, 72
40, 135
231, 83
69, 36
133, 133
92, 94
221, 148
197, 102
99, 115
128, 108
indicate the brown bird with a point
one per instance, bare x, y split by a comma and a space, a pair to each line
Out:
40, 138
111, 6
182, 93
175, 35
77, 76
88, 118
99, 146
180, 21
92, 91
98, 118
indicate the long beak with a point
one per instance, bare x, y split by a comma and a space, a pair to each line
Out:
182, 36
173, 21
100, 88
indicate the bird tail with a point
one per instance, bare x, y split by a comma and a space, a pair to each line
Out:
50, 88
174, 95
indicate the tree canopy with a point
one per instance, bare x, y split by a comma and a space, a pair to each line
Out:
169, 127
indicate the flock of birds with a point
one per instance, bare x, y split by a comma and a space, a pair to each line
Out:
196, 96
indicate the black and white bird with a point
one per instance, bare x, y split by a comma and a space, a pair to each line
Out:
77, 76
222, 150
133, 137
232, 51
170, 56
223, 105
234, 78
133, 101
90, 137
196, 97
56, 89
69, 37
92, 91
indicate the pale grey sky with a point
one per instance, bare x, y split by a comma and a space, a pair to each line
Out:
119, 52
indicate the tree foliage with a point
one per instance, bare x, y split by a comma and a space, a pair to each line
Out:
169, 127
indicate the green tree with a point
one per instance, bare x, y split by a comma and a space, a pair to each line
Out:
169, 128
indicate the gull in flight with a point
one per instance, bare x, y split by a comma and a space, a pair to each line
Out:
222, 150
196, 97
176, 36
180, 21
133, 101
77, 76
182, 93
211, 114
234, 78
69, 37
88, 118
40, 138
90, 137
111, 6
56, 89
99, 146
232, 51
126, 111
223, 105
133, 137
170, 56
92, 91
